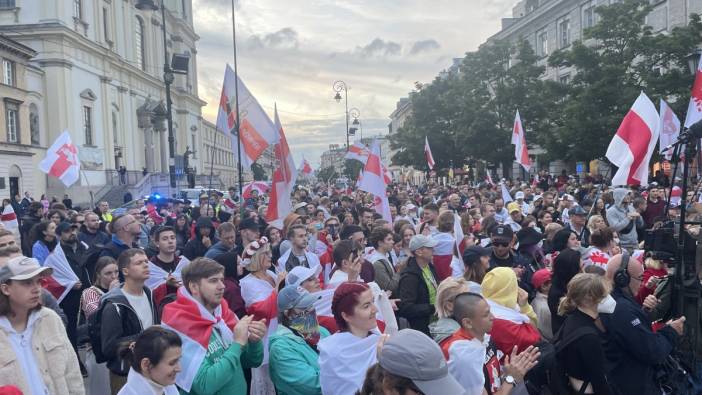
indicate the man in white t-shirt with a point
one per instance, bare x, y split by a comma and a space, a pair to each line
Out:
297, 255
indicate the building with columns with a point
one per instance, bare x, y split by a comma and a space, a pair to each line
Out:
96, 70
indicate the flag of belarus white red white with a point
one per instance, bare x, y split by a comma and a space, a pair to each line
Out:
284, 177
63, 278
668, 129
306, 169
427, 154
9, 218
521, 151
257, 130
373, 181
62, 160
694, 109
358, 151
633, 144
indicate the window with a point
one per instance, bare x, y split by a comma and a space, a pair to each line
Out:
564, 79
542, 42
106, 24
88, 125
588, 16
564, 33
34, 124
78, 9
7, 3
12, 119
139, 44
8, 72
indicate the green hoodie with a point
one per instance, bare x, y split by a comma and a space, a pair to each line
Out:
222, 370
293, 364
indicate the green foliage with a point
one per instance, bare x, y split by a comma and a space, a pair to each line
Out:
326, 174
352, 168
258, 173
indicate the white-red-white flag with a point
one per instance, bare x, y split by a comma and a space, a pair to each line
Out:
373, 182
63, 278
257, 130
631, 148
668, 129
283, 181
305, 168
694, 109
521, 151
488, 178
427, 154
387, 175
358, 151
62, 160
9, 218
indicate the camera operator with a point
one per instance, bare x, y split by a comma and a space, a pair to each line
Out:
632, 348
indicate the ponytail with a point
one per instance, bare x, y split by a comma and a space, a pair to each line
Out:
151, 344
583, 289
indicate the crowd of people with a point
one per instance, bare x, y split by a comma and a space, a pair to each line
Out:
540, 287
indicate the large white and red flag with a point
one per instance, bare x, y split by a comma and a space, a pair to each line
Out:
62, 160
63, 278
358, 151
373, 181
427, 154
9, 218
633, 144
521, 151
694, 109
284, 177
256, 129
668, 129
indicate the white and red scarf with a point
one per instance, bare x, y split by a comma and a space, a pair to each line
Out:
158, 276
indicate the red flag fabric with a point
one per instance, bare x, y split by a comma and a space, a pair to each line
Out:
63, 278
694, 109
358, 151
284, 178
9, 218
427, 154
306, 168
521, 151
373, 182
62, 160
633, 144
668, 129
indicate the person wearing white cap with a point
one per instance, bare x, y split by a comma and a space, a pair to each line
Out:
294, 359
305, 277
413, 363
38, 357
519, 197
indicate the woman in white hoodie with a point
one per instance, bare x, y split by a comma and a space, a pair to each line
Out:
154, 360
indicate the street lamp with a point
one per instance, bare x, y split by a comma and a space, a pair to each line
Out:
179, 65
355, 114
339, 86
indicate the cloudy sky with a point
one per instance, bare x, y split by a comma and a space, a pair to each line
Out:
291, 52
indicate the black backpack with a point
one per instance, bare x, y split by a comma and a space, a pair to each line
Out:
559, 382
95, 332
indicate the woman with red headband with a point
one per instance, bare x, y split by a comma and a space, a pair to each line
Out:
345, 356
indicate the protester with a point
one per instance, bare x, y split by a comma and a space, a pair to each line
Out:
76, 254
476, 262
355, 234
347, 258
624, 219
44, 240
601, 248
38, 355
125, 231
566, 266
232, 290
541, 281
154, 360
90, 232
418, 283
294, 365
167, 261
345, 356
204, 238
304, 277
226, 233
445, 326
297, 255
387, 276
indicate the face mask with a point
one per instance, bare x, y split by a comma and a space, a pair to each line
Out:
607, 305
306, 324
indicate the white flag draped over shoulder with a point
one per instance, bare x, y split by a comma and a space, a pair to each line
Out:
257, 130
62, 160
63, 278
158, 276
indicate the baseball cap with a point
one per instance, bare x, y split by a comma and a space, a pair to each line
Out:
519, 195
24, 268
513, 207
299, 206
248, 223
419, 241
299, 274
502, 233
528, 236
567, 197
413, 355
411, 206
540, 277
577, 210
473, 253
64, 226
294, 297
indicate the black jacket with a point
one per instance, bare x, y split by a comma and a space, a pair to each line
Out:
28, 222
120, 325
91, 239
414, 296
194, 248
632, 349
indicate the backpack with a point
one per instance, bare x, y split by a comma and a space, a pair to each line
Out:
95, 332
559, 383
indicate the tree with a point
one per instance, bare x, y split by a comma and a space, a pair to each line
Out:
327, 174
258, 173
352, 168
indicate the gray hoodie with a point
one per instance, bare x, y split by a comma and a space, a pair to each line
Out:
617, 216
443, 328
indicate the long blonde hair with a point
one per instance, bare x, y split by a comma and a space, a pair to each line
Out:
447, 292
257, 258
583, 289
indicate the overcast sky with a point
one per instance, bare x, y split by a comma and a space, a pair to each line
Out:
291, 51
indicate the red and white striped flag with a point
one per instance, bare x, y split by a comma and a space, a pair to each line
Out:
62, 160
283, 181
694, 109
9, 218
358, 151
63, 278
668, 129
305, 169
373, 182
633, 144
427, 154
488, 178
521, 151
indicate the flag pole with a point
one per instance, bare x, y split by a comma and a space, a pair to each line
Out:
238, 119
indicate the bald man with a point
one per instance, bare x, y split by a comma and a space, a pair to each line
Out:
633, 350
125, 231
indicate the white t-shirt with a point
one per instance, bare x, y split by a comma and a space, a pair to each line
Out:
141, 305
22, 346
337, 278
